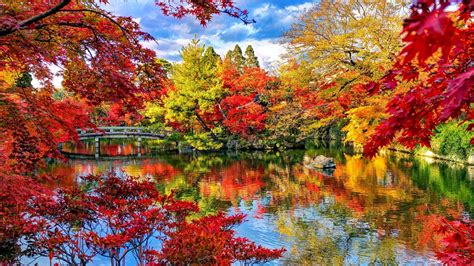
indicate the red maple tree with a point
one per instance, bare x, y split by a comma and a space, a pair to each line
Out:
244, 108
437, 61
458, 241
114, 216
244, 116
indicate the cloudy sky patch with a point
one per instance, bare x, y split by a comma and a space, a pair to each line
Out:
223, 32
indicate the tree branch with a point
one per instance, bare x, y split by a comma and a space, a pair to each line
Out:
123, 29
36, 18
203, 124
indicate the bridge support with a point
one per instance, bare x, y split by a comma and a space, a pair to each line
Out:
97, 147
139, 146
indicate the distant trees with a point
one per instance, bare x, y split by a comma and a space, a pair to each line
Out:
240, 61
250, 59
349, 76
238, 58
210, 98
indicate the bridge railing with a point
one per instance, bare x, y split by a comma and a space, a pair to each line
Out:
121, 130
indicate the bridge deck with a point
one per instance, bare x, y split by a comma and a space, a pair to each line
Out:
122, 132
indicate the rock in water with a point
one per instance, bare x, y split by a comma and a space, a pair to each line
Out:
319, 162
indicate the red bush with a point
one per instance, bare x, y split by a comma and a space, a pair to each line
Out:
113, 216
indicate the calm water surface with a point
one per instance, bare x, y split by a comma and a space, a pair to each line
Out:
367, 211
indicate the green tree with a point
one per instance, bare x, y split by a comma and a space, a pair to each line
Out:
212, 58
196, 88
250, 59
237, 57
452, 139
228, 56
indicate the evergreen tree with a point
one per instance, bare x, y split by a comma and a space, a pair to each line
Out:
237, 57
196, 86
228, 55
211, 57
250, 59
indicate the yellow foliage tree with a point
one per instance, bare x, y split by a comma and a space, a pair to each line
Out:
345, 43
349, 35
364, 119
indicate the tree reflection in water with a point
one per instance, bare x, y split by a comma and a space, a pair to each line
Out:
383, 210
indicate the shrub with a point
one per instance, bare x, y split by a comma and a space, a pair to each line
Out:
452, 140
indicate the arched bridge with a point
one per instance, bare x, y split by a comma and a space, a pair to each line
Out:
122, 132
138, 133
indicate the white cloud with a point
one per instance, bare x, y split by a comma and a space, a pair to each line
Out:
180, 29
282, 16
167, 48
222, 32
137, 19
124, 6
262, 11
241, 27
300, 8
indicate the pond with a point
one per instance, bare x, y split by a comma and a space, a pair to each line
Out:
367, 211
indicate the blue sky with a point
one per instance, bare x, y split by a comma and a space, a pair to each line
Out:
223, 32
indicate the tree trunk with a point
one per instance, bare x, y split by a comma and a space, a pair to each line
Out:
203, 124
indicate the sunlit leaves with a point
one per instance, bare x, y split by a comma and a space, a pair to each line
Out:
196, 87
244, 117
458, 240
437, 61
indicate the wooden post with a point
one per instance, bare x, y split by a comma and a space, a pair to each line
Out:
97, 147
139, 146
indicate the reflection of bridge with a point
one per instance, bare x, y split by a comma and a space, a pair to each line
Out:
93, 157
138, 133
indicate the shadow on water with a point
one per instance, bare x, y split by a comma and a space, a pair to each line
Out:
365, 211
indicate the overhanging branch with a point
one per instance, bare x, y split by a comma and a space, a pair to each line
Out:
24, 23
